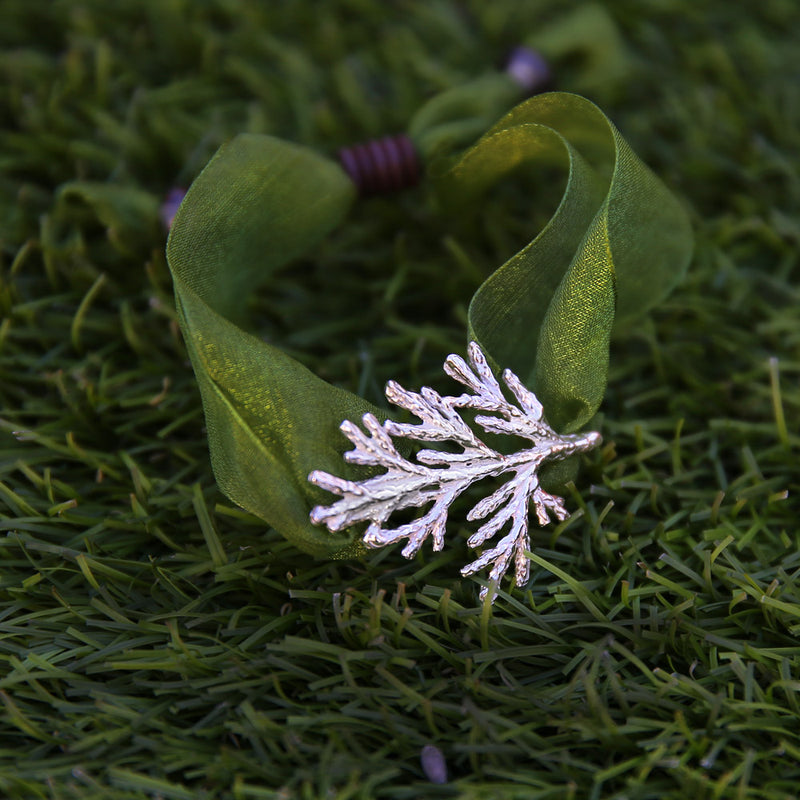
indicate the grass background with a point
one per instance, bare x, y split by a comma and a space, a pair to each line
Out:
156, 642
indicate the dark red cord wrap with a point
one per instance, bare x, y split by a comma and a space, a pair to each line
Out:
382, 166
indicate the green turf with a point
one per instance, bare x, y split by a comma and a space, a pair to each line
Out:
156, 642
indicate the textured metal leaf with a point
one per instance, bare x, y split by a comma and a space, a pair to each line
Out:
435, 478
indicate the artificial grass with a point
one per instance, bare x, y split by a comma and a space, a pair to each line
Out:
157, 642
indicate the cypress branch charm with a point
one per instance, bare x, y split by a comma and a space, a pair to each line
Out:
438, 477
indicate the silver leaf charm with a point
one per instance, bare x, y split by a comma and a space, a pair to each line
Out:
437, 477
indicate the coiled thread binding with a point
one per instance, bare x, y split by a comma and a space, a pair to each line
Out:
382, 166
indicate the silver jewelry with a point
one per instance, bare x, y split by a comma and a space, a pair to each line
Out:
438, 477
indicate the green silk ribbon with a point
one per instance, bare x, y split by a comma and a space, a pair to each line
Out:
616, 245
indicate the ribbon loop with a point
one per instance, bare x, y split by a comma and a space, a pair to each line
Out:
617, 243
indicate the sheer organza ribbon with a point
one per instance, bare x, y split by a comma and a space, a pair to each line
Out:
618, 242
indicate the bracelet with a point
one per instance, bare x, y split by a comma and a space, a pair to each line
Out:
616, 245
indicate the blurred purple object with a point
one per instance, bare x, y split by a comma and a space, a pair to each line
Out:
433, 764
170, 206
528, 70
381, 166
